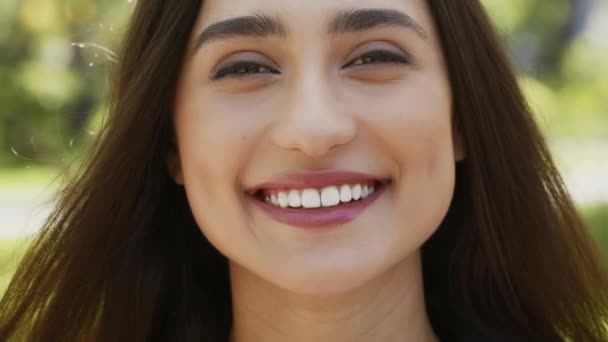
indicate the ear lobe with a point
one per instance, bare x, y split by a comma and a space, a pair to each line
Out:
174, 167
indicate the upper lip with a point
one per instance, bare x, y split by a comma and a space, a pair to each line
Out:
315, 179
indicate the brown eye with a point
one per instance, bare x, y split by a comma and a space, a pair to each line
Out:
243, 69
380, 57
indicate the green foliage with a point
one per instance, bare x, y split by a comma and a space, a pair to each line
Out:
11, 251
26, 177
597, 220
53, 69
565, 69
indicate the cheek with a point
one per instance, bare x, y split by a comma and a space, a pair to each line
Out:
215, 142
215, 136
411, 117
413, 122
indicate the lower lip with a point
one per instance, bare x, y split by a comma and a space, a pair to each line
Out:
320, 217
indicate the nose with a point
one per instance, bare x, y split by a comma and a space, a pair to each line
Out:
313, 121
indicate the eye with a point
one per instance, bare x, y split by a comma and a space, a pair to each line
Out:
380, 57
243, 69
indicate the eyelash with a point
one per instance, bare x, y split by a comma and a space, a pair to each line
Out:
244, 69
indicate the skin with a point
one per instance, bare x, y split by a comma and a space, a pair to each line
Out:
361, 281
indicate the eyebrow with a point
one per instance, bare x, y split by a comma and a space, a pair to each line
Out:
346, 21
257, 25
366, 19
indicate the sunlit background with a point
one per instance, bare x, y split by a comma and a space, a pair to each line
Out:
56, 57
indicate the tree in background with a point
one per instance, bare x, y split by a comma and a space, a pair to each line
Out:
560, 46
53, 70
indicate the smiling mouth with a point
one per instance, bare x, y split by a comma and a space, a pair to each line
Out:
310, 214
315, 199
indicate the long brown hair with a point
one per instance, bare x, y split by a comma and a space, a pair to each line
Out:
122, 259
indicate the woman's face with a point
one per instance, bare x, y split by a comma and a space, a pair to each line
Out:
277, 95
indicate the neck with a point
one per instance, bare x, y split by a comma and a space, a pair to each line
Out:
388, 308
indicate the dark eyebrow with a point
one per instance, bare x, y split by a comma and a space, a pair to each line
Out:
364, 19
348, 21
257, 25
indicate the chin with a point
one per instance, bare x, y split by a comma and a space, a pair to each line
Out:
325, 280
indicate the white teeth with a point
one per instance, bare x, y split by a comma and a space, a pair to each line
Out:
330, 196
311, 198
283, 201
364, 191
356, 191
346, 194
295, 201
314, 198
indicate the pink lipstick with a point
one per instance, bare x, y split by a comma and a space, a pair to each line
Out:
322, 216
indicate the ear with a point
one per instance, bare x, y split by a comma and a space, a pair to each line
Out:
460, 153
174, 166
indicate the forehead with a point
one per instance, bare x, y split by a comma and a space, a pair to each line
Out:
308, 15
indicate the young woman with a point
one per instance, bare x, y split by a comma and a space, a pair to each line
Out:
348, 170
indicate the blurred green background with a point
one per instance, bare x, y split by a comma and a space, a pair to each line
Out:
56, 56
